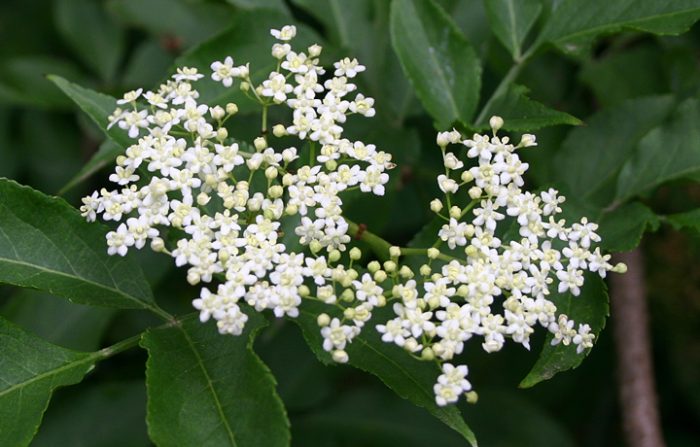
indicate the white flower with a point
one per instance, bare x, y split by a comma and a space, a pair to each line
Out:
276, 87
446, 184
223, 71
286, 33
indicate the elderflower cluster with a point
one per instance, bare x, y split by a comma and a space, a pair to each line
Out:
507, 249
221, 207
261, 224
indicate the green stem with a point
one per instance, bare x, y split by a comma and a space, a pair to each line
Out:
406, 251
512, 74
379, 246
264, 120
116, 348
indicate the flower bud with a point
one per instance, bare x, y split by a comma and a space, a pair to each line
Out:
380, 276
331, 165
260, 144
221, 134
455, 212
475, 192
411, 345
279, 130
271, 173
314, 50
496, 122
315, 246
334, 256
373, 266
340, 356
157, 245
231, 108
425, 270
348, 295
323, 320
217, 112
303, 290
390, 266
275, 191
433, 253
472, 397
427, 354
394, 251
203, 198
527, 140
291, 209
355, 253
620, 267
406, 272
436, 205
245, 86
467, 176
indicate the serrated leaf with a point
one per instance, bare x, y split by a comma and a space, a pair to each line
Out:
622, 229
97, 106
108, 152
690, 220
205, 388
30, 370
592, 155
441, 64
247, 40
511, 20
45, 244
591, 307
522, 113
668, 152
407, 377
102, 51
573, 24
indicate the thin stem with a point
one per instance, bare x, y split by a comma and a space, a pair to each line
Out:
118, 347
264, 120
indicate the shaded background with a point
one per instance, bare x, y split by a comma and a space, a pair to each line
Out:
117, 45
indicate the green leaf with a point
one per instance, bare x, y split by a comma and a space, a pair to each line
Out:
625, 75
277, 5
57, 321
96, 105
30, 370
247, 40
183, 23
522, 113
511, 20
45, 244
370, 417
210, 389
441, 64
102, 51
110, 414
23, 81
108, 152
668, 152
591, 307
573, 24
622, 229
689, 219
591, 156
407, 377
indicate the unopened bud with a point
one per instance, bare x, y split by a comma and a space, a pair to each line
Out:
425, 270
455, 212
436, 205
433, 253
475, 192
323, 320
355, 253
231, 108
334, 256
380, 276
373, 266
620, 267
394, 251
203, 198
496, 122
260, 144
279, 130
340, 356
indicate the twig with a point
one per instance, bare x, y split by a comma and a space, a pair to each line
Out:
640, 416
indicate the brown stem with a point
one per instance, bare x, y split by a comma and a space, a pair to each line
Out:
640, 415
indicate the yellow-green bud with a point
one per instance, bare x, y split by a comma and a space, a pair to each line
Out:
390, 266
455, 212
425, 270
334, 256
203, 198
394, 251
380, 276
221, 134
496, 122
231, 108
260, 143
275, 191
323, 320
433, 253
245, 86
271, 172
303, 290
347, 295
315, 246
355, 253
279, 130
406, 272
427, 354
331, 165
349, 313
472, 397
474, 192
467, 176
436, 205
373, 266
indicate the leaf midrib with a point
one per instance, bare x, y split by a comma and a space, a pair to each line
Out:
210, 385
